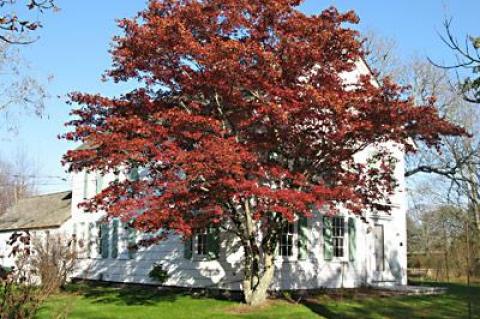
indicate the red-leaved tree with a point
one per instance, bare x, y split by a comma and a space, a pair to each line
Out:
242, 119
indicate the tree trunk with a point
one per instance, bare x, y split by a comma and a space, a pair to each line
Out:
258, 263
257, 281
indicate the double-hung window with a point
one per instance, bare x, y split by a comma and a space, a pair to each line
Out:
203, 245
286, 240
338, 236
202, 242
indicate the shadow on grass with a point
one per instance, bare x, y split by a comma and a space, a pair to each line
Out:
141, 295
123, 294
460, 301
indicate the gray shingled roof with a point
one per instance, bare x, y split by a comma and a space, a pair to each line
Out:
44, 211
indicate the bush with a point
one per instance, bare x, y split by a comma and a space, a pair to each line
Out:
158, 273
54, 258
39, 270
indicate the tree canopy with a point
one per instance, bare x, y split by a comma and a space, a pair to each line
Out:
242, 118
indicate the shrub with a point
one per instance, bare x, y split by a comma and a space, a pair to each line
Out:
39, 271
54, 258
158, 273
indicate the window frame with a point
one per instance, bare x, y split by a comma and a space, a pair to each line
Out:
345, 257
339, 234
292, 228
204, 232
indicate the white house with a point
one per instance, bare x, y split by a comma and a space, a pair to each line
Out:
341, 251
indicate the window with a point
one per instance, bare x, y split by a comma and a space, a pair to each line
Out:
203, 245
338, 236
286, 240
202, 242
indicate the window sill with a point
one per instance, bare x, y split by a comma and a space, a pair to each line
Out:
338, 260
286, 260
203, 258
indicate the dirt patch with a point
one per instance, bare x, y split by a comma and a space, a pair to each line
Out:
246, 309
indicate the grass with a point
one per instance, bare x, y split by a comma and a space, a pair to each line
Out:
101, 302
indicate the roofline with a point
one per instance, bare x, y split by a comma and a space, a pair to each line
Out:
370, 70
8, 230
47, 194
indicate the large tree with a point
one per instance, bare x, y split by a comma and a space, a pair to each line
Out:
242, 120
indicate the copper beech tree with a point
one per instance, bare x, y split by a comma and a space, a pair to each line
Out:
241, 120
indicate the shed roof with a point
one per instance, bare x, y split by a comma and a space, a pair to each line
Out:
44, 211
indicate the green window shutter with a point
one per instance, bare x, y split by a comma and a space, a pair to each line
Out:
85, 185
98, 183
213, 243
302, 237
188, 248
115, 238
327, 238
352, 239
98, 239
104, 229
131, 242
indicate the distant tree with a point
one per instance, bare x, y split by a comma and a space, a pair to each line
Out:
242, 120
458, 163
17, 180
20, 93
467, 54
438, 241
381, 55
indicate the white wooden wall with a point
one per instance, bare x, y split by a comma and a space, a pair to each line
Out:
225, 272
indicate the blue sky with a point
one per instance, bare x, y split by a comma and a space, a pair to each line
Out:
74, 45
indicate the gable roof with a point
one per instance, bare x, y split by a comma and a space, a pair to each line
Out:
38, 212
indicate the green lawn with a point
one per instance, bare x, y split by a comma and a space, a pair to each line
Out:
83, 301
